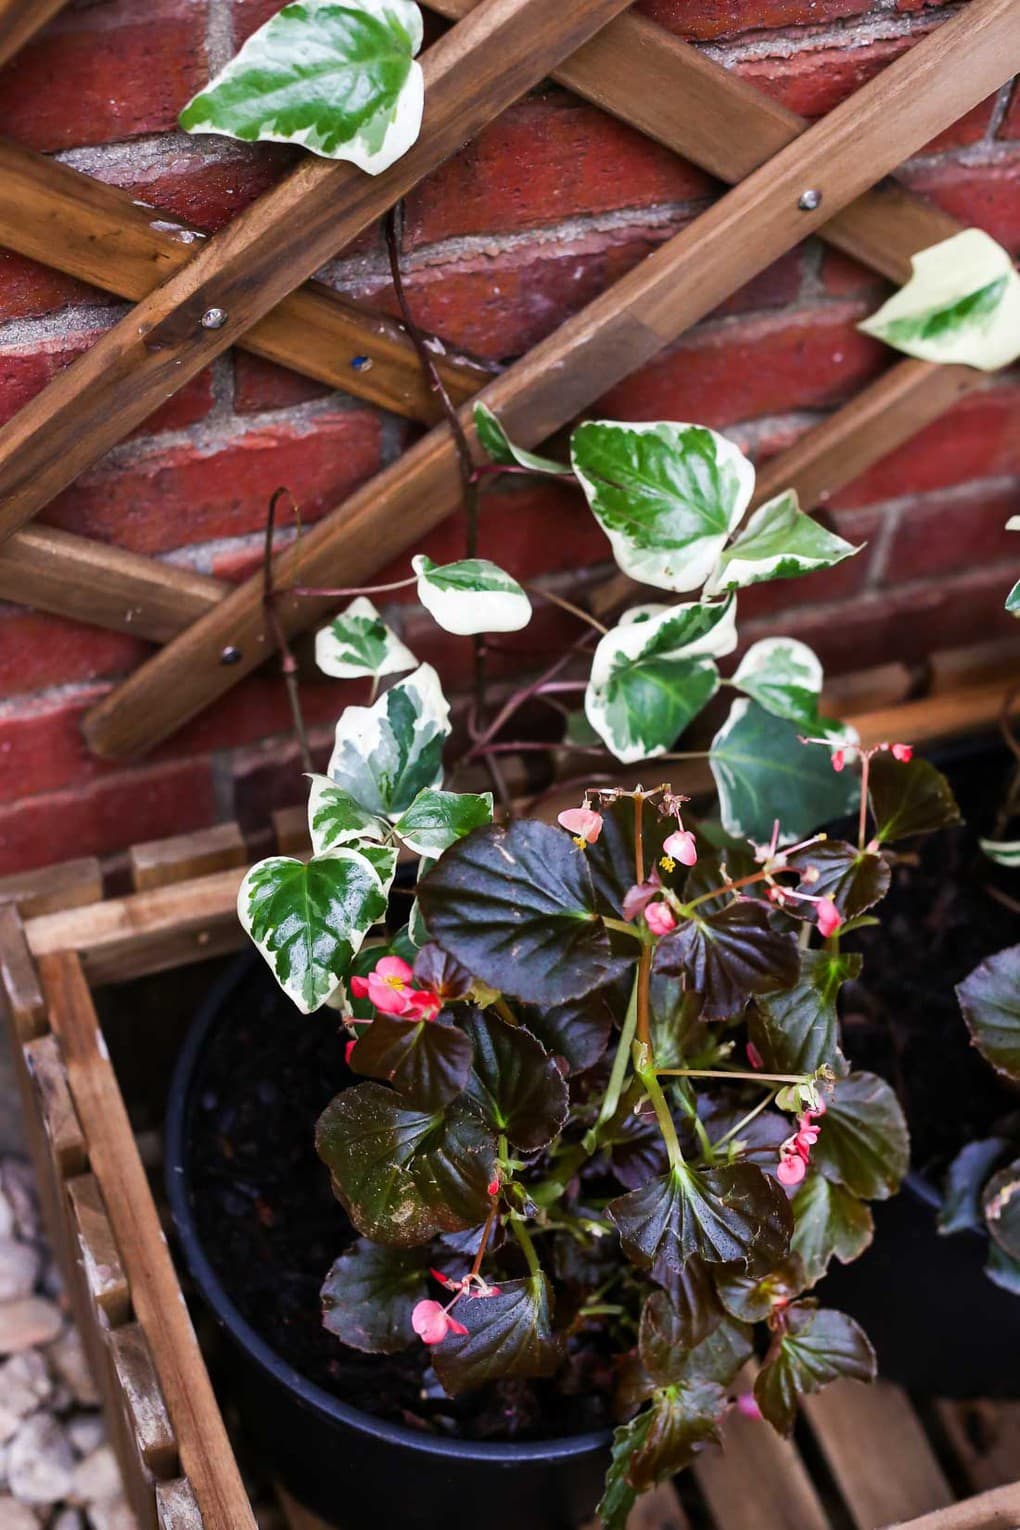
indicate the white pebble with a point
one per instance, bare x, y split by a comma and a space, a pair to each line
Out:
113, 1515
19, 1269
86, 1431
26, 1323
97, 1478
16, 1516
41, 1462
18, 1184
24, 1385
67, 1356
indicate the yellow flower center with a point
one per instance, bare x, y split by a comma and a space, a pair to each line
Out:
580, 842
667, 863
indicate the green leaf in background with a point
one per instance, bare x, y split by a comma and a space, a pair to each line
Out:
403, 1175
1003, 852
728, 956
778, 542
369, 1295
667, 496
436, 819
1001, 1205
509, 1334
1002, 1270
797, 1031
426, 1061
514, 1083
660, 1442
962, 304
785, 677
471, 596
909, 797
829, 1221
965, 1179
864, 1143
358, 642
335, 819
499, 448
854, 879
337, 77
517, 907
1013, 600
654, 672
817, 1346
731, 1215
384, 755
763, 772
308, 919
990, 1000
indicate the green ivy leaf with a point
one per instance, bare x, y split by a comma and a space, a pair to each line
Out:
1002, 851
909, 797
517, 906
508, 1335
965, 1179
337, 77
426, 1061
403, 1175
818, 1346
660, 1442
990, 1000
514, 1083
731, 1215
728, 956
1001, 1205
828, 1220
499, 448
854, 879
471, 596
798, 1031
762, 772
309, 919
1013, 600
667, 496
785, 678
436, 820
335, 819
384, 755
358, 642
864, 1143
653, 673
778, 542
369, 1295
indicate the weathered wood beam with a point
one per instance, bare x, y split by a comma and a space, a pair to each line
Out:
20, 20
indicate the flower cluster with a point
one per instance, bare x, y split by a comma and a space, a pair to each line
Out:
432, 1321
390, 988
795, 1152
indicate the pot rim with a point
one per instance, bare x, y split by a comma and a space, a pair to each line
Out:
258, 1349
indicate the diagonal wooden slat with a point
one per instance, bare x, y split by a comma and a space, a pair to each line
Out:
935, 83
101, 235
472, 74
20, 20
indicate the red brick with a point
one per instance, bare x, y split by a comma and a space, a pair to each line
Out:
38, 650
109, 815
261, 385
934, 534
845, 277
105, 72
982, 195
41, 748
812, 82
806, 360
183, 495
28, 290
25, 372
703, 20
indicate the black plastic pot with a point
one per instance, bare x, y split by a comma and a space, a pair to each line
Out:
938, 1324
347, 1466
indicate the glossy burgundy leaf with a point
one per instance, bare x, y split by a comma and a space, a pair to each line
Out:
514, 1083
909, 797
427, 1061
509, 1334
818, 1346
369, 1294
730, 1215
854, 879
729, 956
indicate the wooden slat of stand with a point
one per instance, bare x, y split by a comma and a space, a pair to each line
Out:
63, 1129
161, 862
757, 1481
687, 277
20, 20
205, 1451
104, 1274
997, 1510
69, 884
146, 1410
176, 1506
21, 1000
985, 1437
471, 75
877, 1452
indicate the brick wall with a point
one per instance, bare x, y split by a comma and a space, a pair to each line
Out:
549, 206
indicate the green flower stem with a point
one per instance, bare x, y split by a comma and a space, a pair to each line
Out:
646, 1073
614, 1088
504, 1011
749, 1078
521, 1234
623, 928
735, 1131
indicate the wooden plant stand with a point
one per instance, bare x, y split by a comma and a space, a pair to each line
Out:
866, 1457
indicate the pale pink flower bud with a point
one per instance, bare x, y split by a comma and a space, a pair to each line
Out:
838, 759
791, 1170
584, 823
660, 918
754, 1057
903, 752
681, 847
747, 1405
829, 917
431, 1322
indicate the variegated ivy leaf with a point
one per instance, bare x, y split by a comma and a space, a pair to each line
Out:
335, 819
309, 919
778, 542
498, 446
962, 304
785, 677
654, 672
337, 77
435, 819
384, 755
1013, 600
358, 642
667, 496
472, 596
1004, 852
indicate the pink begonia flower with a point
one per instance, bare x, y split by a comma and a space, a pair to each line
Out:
680, 847
583, 823
389, 989
829, 917
431, 1322
903, 752
754, 1057
838, 759
660, 918
348, 1049
492, 1188
637, 899
791, 1170
747, 1405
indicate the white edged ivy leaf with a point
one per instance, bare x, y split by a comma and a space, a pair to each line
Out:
989, 998
654, 672
828, 1222
471, 596
337, 77
499, 448
666, 495
864, 1143
796, 1031
383, 860
1013, 600
734, 1214
779, 541
785, 677
335, 819
437, 819
962, 304
1004, 852
508, 1334
385, 754
815, 1346
369, 1295
762, 772
358, 642
309, 919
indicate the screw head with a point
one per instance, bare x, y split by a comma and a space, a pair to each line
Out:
809, 200
214, 318
362, 363
230, 655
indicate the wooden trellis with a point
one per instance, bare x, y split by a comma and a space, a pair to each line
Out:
253, 271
